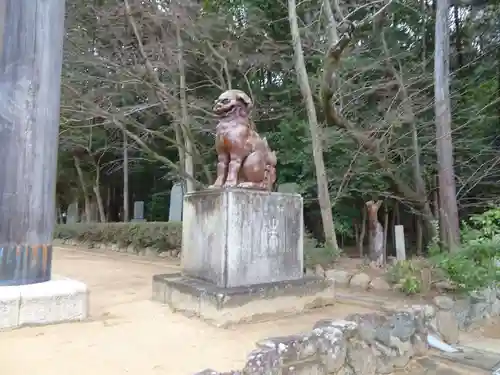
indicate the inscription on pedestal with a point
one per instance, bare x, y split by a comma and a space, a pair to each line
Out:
242, 237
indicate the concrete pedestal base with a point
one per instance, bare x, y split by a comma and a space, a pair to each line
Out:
53, 301
223, 307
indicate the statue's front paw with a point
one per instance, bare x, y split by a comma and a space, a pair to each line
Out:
230, 184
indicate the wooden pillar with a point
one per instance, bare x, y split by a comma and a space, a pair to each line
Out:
31, 42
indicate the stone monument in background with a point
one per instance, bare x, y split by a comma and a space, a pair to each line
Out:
176, 206
241, 242
138, 211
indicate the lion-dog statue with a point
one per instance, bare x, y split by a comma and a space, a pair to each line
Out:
244, 159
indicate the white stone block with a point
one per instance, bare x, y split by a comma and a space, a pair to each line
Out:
237, 237
10, 299
53, 301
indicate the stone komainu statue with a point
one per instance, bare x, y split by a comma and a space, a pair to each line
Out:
244, 158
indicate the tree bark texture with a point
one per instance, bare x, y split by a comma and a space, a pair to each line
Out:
31, 44
448, 213
126, 207
321, 178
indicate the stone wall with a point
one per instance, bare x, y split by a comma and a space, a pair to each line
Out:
365, 344
370, 344
148, 251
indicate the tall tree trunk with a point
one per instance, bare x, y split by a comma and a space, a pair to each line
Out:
100, 203
458, 38
333, 37
386, 229
126, 207
449, 222
321, 178
362, 233
85, 190
188, 146
331, 22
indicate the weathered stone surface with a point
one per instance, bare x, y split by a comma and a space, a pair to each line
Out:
236, 237
331, 348
263, 362
361, 358
346, 370
291, 348
308, 368
360, 280
389, 359
479, 311
347, 327
461, 311
340, 277
443, 302
223, 307
447, 326
486, 295
362, 344
495, 308
379, 284
420, 345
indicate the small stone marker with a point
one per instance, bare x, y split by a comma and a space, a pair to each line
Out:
399, 235
290, 187
138, 211
72, 213
176, 202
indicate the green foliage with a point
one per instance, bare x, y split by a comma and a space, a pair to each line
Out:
162, 236
314, 253
482, 227
406, 275
475, 266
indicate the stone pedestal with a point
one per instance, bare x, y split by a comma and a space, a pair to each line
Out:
238, 237
242, 258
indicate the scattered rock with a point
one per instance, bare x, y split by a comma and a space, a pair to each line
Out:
319, 270
338, 276
360, 280
447, 326
495, 308
461, 311
150, 252
479, 311
379, 284
443, 302
164, 254
114, 247
487, 295
176, 253
445, 286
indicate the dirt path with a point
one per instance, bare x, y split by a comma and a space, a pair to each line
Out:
129, 334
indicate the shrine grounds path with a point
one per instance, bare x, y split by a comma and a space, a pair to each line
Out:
127, 333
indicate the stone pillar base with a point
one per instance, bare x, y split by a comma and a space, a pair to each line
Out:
54, 301
223, 307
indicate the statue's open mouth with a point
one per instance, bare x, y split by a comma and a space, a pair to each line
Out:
221, 109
